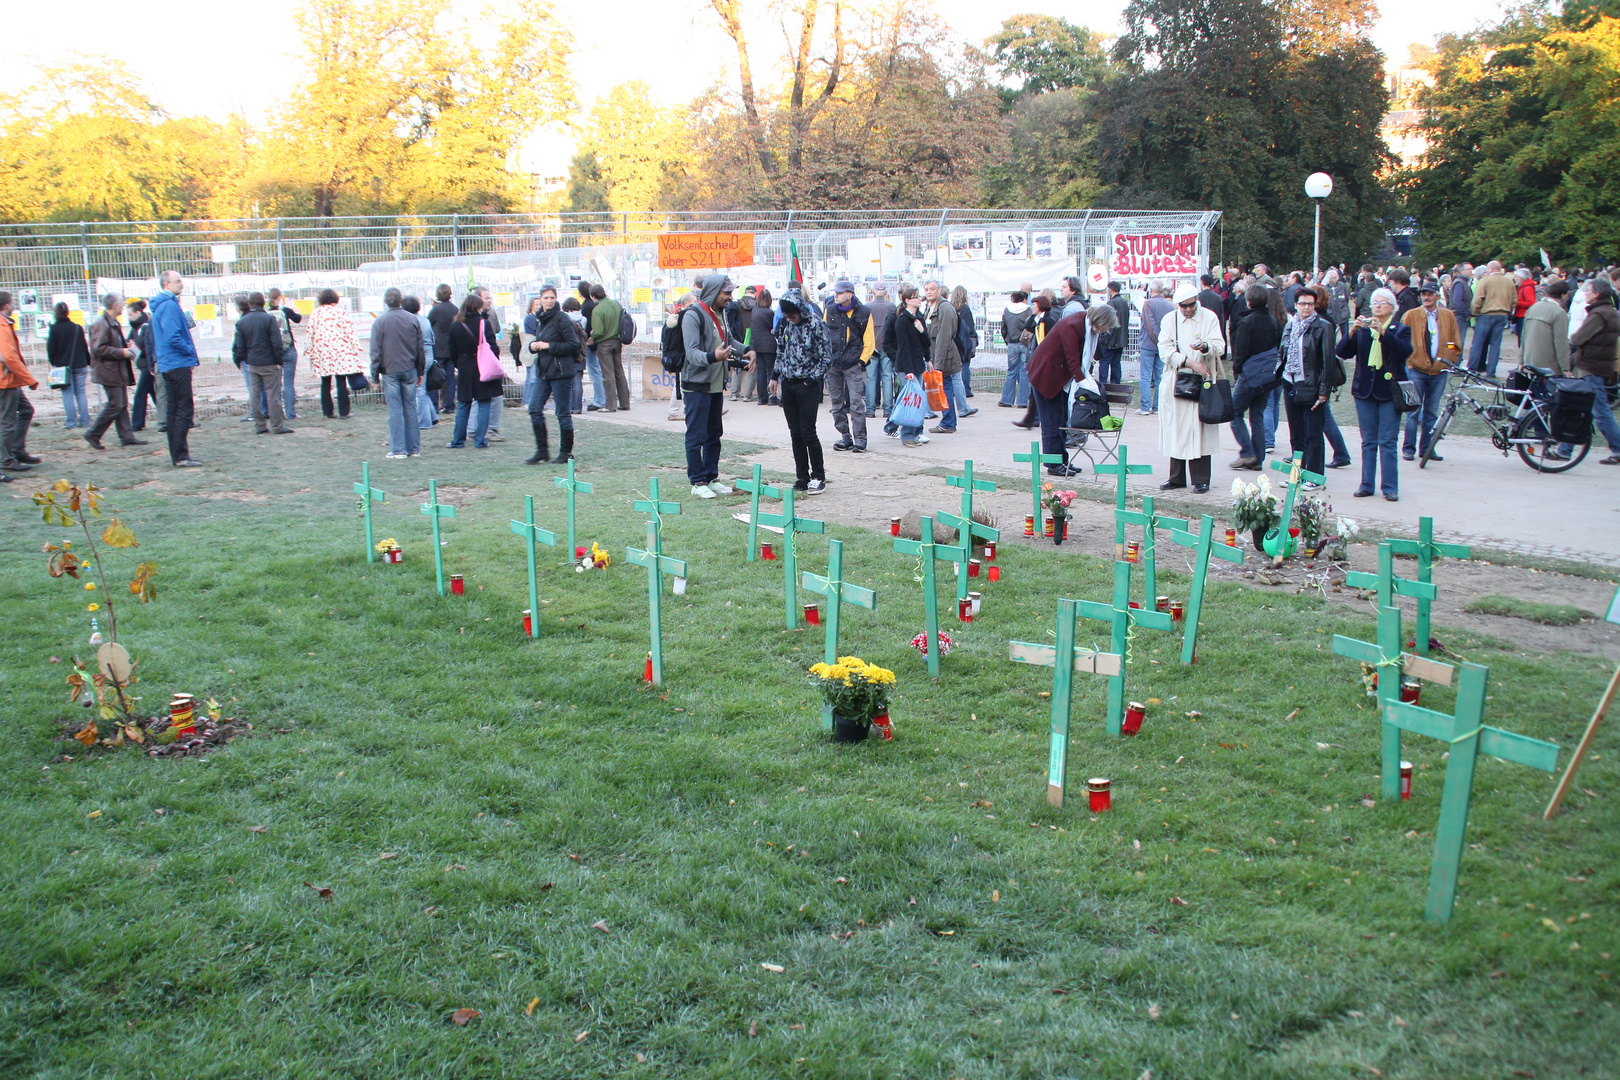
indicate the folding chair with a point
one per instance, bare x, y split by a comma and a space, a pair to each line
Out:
1102, 447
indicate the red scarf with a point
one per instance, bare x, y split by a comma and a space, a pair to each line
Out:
719, 327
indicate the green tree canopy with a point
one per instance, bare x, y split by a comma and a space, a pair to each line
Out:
1042, 53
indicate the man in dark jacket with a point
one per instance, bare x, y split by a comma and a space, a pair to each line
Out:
1209, 298
398, 362
1461, 300
849, 340
1406, 297
258, 351
1113, 342
1059, 359
880, 369
1593, 359
440, 316
112, 368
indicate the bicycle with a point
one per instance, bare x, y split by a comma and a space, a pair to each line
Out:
1525, 427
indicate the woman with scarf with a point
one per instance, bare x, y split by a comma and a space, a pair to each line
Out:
1380, 345
553, 347
1308, 341
1191, 344
801, 358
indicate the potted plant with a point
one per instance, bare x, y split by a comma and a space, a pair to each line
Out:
1254, 509
1312, 514
1057, 507
856, 692
1336, 548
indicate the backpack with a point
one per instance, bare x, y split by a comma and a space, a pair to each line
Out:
673, 347
286, 328
627, 327
967, 339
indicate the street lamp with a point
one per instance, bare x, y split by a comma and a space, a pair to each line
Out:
1318, 186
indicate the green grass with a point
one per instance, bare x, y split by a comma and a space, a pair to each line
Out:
1512, 607
710, 825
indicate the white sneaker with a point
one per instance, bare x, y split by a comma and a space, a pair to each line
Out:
394, 457
417, 454
815, 487
923, 438
702, 491
720, 489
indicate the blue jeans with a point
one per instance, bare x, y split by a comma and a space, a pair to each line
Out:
593, 367
560, 392
531, 376
74, 403
289, 393
1249, 402
953, 394
879, 377
1380, 428
1273, 407
1432, 389
1488, 332
427, 413
1108, 370
458, 437
1602, 416
1152, 368
1015, 391
404, 432
703, 431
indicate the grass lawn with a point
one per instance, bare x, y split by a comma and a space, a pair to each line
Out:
933, 916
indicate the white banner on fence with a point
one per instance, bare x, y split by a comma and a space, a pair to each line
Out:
225, 285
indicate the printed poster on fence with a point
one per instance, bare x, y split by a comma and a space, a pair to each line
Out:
1009, 245
704, 251
1049, 245
968, 245
1153, 255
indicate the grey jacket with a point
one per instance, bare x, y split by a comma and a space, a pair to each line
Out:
396, 343
704, 374
1545, 338
942, 337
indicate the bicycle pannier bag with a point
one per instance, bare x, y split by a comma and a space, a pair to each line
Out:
1572, 401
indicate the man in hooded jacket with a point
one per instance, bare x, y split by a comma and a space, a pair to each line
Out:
710, 346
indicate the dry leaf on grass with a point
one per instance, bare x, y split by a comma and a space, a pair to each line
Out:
94, 814
530, 1010
546, 886
641, 1059
389, 855
1178, 901
600, 924
753, 1029
258, 828
461, 1017
581, 1036
323, 891
775, 969
1153, 1012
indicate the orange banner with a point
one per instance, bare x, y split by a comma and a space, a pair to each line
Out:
704, 250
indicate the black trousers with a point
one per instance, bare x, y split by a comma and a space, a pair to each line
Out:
343, 394
1198, 467
801, 401
145, 387
764, 372
1054, 414
1305, 426
116, 411
177, 384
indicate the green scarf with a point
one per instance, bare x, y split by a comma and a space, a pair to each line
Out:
1375, 355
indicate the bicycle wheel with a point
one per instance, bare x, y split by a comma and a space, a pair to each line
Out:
1536, 445
1439, 433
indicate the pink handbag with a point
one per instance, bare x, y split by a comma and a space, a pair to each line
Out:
489, 367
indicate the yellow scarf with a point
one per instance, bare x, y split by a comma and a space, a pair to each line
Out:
1375, 355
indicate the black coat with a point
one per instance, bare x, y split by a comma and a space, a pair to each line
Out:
464, 356
66, 346
440, 316
1254, 333
1316, 355
904, 344
556, 329
258, 340
1397, 343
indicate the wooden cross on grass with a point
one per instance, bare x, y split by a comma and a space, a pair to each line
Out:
573, 487
656, 507
838, 593
1426, 550
532, 534
1086, 661
1468, 737
1294, 472
753, 487
1204, 545
968, 530
658, 564
368, 495
1036, 459
437, 511
930, 553
1119, 471
791, 525
1151, 523
1389, 586
1119, 615
1391, 665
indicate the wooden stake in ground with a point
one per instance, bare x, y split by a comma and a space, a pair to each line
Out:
754, 487
1148, 553
838, 594
930, 553
532, 535
368, 495
1083, 660
658, 564
1204, 545
1294, 472
1592, 726
1426, 550
791, 525
1468, 737
1119, 471
572, 486
968, 530
437, 510
1036, 459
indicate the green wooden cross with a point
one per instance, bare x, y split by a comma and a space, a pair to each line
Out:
1276, 540
532, 534
1426, 550
838, 593
1150, 523
368, 495
1036, 459
1392, 665
930, 553
753, 487
1204, 545
1083, 660
1120, 615
1389, 586
1119, 471
436, 510
1468, 737
791, 525
968, 530
572, 486
655, 506
657, 564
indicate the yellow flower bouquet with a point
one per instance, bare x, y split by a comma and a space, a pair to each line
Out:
856, 691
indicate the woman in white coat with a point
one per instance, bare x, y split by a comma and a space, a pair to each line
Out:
1190, 339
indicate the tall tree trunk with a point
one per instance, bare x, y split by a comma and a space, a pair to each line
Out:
730, 12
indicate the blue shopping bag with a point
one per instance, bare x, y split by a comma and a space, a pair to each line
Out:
910, 407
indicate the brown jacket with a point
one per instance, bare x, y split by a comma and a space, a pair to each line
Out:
1594, 343
1495, 294
13, 371
110, 362
1417, 320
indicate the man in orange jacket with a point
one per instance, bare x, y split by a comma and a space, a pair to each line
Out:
16, 411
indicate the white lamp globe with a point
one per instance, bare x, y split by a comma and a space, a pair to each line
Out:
1319, 185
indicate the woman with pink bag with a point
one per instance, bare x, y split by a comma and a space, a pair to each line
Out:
479, 375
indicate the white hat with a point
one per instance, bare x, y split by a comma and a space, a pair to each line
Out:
1185, 292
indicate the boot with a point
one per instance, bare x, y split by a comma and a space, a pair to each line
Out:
542, 449
565, 452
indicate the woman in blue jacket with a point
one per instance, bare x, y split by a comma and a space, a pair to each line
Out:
1380, 345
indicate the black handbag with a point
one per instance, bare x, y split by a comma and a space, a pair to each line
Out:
1189, 386
1406, 397
435, 379
1215, 403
